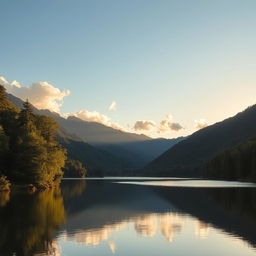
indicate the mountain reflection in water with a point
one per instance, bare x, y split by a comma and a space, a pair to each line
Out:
103, 218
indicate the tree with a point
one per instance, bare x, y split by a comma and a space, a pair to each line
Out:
38, 158
235, 163
74, 168
26, 118
5, 104
29, 151
47, 126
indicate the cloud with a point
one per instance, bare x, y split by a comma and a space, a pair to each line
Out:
201, 123
94, 116
175, 126
44, 95
144, 125
167, 125
164, 124
91, 116
113, 106
41, 94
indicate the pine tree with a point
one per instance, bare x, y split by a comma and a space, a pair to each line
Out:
5, 104
29, 151
27, 118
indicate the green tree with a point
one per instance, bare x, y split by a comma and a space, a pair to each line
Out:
5, 104
74, 168
47, 127
38, 157
29, 152
235, 163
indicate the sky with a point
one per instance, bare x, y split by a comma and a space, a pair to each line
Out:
164, 68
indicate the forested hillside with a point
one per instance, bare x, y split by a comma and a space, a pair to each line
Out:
29, 151
187, 157
236, 163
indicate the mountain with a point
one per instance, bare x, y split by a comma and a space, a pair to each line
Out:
136, 150
91, 157
187, 157
94, 159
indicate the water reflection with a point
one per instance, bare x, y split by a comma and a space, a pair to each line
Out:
171, 224
27, 223
168, 224
202, 229
101, 217
93, 236
73, 188
4, 198
147, 225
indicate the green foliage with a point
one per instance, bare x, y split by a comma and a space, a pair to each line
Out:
4, 147
5, 104
74, 168
47, 126
236, 163
5, 184
29, 152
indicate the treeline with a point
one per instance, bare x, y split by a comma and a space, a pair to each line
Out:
236, 163
29, 152
74, 169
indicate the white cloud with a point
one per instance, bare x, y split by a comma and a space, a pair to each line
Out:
164, 124
41, 94
144, 125
113, 106
91, 116
201, 123
45, 96
94, 116
167, 125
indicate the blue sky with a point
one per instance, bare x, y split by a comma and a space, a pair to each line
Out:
189, 59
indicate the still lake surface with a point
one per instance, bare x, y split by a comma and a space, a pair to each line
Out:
131, 216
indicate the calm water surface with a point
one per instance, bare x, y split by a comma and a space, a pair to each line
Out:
131, 217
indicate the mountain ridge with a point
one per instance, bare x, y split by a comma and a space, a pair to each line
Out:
186, 157
135, 150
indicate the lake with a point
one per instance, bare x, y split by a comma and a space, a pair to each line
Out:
131, 216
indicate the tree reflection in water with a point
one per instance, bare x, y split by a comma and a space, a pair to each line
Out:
27, 223
4, 198
72, 188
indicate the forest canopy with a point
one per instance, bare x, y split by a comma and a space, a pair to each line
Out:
235, 163
29, 152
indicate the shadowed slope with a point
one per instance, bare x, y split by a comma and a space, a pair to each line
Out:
185, 157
